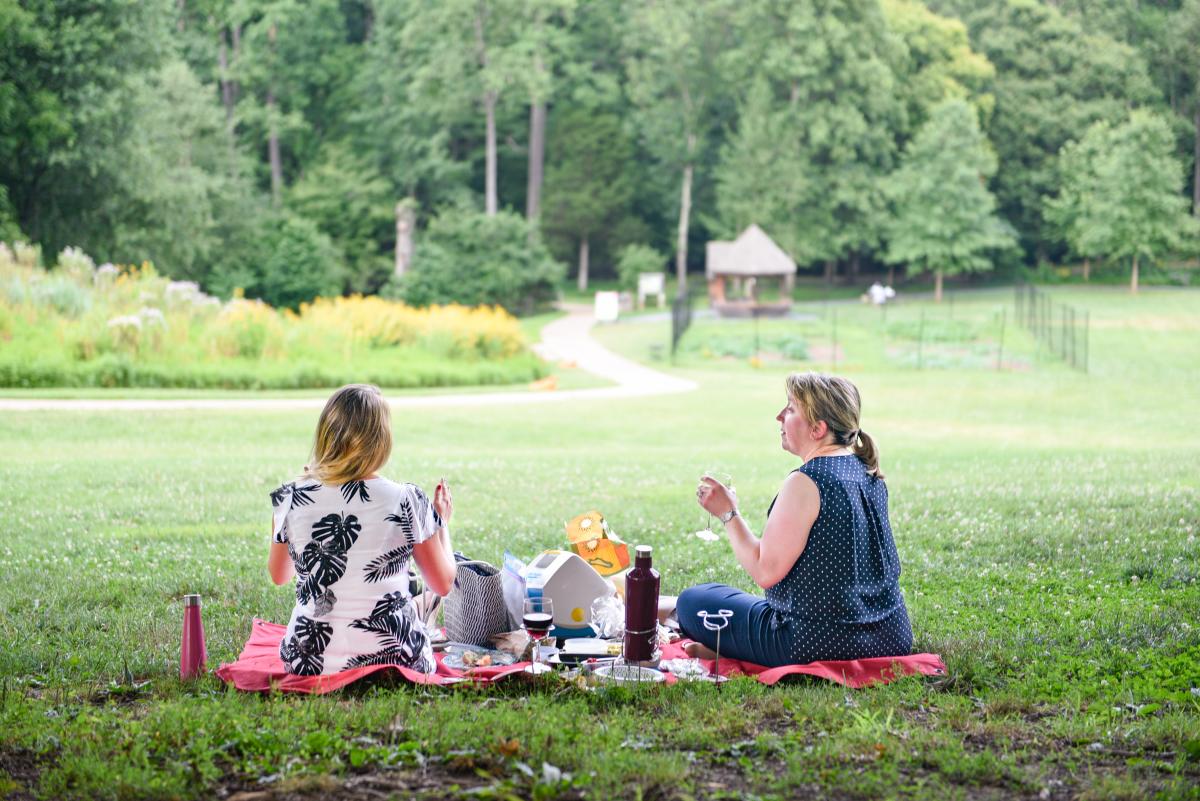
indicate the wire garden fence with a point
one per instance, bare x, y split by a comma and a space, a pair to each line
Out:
1060, 328
948, 337
976, 330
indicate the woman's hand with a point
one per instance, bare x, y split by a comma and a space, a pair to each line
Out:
716, 498
443, 503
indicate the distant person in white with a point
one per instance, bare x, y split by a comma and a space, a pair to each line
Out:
880, 294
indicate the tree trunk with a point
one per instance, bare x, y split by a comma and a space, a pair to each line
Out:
891, 275
181, 15
491, 198
226, 95
1196, 160
1133, 279
854, 265
223, 73
273, 136
685, 211
236, 31
937, 286
830, 270
273, 152
583, 264
406, 219
1087, 270
537, 155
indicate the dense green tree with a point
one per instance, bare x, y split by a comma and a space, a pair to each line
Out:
760, 180
945, 218
467, 55
294, 262
587, 185
1183, 45
67, 82
673, 83
545, 39
295, 62
833, 64
410, 127
353, 205
1053, 80
181, 181
1071, 212
937, 62
1125, 200
477, 258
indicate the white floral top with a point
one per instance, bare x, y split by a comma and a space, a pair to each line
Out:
351, 546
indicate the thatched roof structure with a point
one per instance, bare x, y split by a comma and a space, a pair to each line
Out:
753, 253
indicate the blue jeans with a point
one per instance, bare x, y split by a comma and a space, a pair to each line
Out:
756, 632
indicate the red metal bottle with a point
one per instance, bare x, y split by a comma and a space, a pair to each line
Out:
192, 655
641, 608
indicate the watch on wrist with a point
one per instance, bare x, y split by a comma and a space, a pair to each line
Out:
725, 518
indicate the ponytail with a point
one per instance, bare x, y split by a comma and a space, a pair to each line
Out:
835, 401
864, 448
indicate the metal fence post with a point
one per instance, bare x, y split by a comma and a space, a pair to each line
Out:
1087, 331
833, 351
921, 341
1000, 346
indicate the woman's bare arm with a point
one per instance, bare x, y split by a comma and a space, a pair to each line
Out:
279, 563
769, 559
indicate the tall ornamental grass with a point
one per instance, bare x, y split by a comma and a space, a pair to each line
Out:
127, 326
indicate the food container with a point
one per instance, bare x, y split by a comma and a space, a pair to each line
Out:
630, 674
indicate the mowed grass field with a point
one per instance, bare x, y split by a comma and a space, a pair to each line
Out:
1046, 519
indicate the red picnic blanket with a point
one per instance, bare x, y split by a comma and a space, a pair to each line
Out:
259, 669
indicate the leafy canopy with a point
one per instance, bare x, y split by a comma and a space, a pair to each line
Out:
945, 217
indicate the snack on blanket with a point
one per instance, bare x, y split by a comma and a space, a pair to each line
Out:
472, 659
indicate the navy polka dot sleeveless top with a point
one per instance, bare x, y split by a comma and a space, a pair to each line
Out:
842, 597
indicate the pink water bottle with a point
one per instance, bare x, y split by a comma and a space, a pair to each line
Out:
193, 655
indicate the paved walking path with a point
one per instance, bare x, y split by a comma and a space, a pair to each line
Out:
565, 339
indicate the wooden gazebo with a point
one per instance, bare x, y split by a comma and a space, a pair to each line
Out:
734, 269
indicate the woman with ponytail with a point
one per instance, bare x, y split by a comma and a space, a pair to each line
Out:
826, 558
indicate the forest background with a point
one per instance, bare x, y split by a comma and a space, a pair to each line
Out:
478, 152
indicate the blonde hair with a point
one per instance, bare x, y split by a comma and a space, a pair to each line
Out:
836, 401
354, 435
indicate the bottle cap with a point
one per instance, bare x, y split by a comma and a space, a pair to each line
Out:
191, 600
642, 550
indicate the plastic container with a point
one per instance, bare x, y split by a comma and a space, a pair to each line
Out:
193, 656
630, 674
641, 608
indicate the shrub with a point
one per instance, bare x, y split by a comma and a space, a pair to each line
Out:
294, 263
142, 330
470, 258
454, 331
61, 293
245, 328
635, 259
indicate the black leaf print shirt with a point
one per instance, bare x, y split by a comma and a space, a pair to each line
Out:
351, 545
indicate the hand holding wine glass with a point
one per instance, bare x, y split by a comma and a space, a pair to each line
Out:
715, 493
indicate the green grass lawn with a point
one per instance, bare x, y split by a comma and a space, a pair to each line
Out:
1046, 520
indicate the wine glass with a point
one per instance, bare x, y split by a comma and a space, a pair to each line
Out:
706, 533
536, 618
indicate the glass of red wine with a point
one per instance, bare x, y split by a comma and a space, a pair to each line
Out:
537, 618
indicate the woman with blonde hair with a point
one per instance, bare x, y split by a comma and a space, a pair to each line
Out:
826, 558
347, 535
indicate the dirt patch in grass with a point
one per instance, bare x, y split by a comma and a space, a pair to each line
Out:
19, 773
